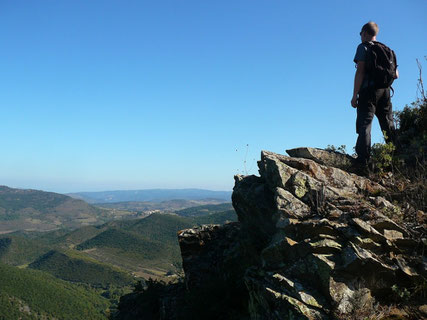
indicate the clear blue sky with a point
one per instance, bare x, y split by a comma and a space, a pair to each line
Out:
102, 95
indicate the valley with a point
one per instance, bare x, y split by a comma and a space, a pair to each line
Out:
101, 250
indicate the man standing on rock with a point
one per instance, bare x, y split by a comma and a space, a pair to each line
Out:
376, 70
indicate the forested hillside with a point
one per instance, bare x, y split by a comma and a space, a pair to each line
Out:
138, 245
31, 294
77, 268
110, 257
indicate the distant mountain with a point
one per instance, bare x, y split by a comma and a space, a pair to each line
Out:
23, 209
151, 195
168, 206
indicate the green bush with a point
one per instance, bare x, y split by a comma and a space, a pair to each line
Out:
412, 132
383, 156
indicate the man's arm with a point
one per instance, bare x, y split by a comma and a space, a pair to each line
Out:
358, 79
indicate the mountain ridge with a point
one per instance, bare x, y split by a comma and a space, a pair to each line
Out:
29, 209
150, 195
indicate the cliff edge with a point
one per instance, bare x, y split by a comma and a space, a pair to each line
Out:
313, 241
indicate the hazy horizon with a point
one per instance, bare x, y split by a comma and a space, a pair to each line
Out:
114, 190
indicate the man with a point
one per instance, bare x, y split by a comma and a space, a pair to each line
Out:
368, 98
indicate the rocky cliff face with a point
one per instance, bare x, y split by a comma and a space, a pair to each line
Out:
313, 242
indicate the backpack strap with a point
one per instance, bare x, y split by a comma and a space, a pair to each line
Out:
368, 60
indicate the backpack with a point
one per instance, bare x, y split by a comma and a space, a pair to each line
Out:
380, 64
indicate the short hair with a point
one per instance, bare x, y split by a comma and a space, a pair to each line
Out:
371, 28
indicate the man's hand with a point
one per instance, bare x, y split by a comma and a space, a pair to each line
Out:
354, 102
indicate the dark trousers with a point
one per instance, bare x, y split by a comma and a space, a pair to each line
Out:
373, 102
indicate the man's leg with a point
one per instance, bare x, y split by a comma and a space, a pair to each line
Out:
365, 114
384, 113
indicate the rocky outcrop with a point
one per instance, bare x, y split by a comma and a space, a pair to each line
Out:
317, 241
206, 250
313, 241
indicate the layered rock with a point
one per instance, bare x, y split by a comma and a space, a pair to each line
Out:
328, 158
318, 243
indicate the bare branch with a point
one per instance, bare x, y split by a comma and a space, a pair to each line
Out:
420, 84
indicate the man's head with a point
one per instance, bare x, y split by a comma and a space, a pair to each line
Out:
369, 31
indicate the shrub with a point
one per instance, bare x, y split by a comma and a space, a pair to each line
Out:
383, 156
412, 132
341, 149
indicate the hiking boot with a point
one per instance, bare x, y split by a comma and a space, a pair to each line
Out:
362, 170
360, 167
